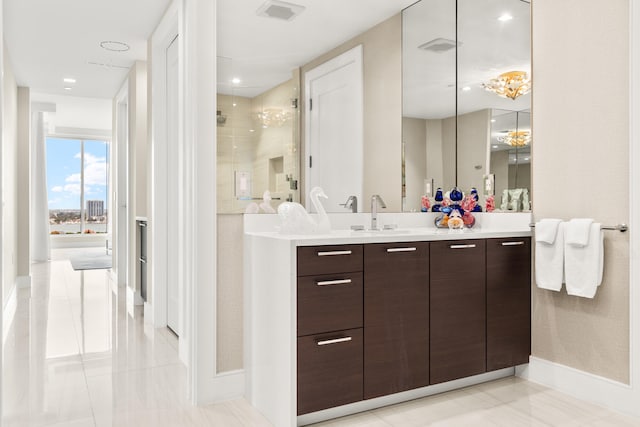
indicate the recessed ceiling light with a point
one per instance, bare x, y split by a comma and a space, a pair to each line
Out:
493, 120
234, 104
114, 46
494, 146
466, 88
505, 17
67, 88
69, 80
526, 158
236, 81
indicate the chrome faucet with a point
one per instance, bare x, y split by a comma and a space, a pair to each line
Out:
351, 203
375, 200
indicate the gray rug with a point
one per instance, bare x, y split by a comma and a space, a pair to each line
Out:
91, 261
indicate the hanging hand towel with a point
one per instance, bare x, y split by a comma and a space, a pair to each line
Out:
549, 254
578, 231
583, 264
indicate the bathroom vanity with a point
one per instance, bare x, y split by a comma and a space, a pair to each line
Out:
349, 321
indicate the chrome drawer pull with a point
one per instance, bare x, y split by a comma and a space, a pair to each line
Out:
334, 282
512, 243
334, 253
334, 341
462, 246
401, 249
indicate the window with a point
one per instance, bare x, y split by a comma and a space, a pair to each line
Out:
77, 181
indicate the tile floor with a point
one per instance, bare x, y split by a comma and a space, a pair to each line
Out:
73, 357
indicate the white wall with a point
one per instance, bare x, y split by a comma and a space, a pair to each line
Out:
10, 178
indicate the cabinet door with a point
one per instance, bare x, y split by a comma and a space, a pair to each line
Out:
458, 310
396, 317
508, 302
329, 370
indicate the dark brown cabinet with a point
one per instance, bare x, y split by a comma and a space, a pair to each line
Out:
396, 317
329, 326
378, 319
458, 310
508, 302
329, 370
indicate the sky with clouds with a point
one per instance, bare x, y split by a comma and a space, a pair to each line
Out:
63, 172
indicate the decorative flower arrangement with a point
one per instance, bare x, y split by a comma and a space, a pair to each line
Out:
490, 204
426, 204
456, 208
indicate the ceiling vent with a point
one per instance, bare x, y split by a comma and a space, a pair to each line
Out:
280, 10
439, 45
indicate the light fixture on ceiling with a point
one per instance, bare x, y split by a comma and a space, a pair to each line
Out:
114, 46
68, 88
511, 84
280, 10
516, 138
466, 88
439, 45
505, 17
69, 80
236, 81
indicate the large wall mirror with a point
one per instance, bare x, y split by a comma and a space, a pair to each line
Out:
456, 131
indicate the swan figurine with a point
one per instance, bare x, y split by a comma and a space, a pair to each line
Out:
266, 203
296, 220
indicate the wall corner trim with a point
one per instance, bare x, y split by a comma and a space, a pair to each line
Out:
582, 385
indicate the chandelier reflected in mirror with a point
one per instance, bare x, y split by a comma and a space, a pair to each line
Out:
511, 84
516, 138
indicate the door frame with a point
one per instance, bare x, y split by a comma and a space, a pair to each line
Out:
120, 189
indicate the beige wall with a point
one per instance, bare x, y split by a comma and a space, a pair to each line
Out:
9, 179
435, 153
229, 298
499, 166
414, 136
523, 176
580, 169
474, 131
382, 47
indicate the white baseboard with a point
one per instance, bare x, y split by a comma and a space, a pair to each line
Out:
392, 399
9, 313
224, 386
147, 311
133, 299
583, 385
23, 282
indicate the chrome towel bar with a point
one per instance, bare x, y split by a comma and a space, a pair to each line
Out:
620, 227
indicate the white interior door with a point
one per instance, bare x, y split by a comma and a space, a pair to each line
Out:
173, 282
334, 129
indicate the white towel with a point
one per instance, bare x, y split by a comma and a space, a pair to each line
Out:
583, 265
577, 231
549, 257
547, 229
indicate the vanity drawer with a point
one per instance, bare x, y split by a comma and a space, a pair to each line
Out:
330, 370
329, 302
329, 259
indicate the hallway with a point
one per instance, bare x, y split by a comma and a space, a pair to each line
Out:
73, 357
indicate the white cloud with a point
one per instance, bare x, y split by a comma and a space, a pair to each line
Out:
73, 189
95, 171
57, 189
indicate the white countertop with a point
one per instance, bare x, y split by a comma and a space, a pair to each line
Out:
411, 228
341, 237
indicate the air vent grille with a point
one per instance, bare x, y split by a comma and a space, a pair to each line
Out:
439, 45
280, 10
